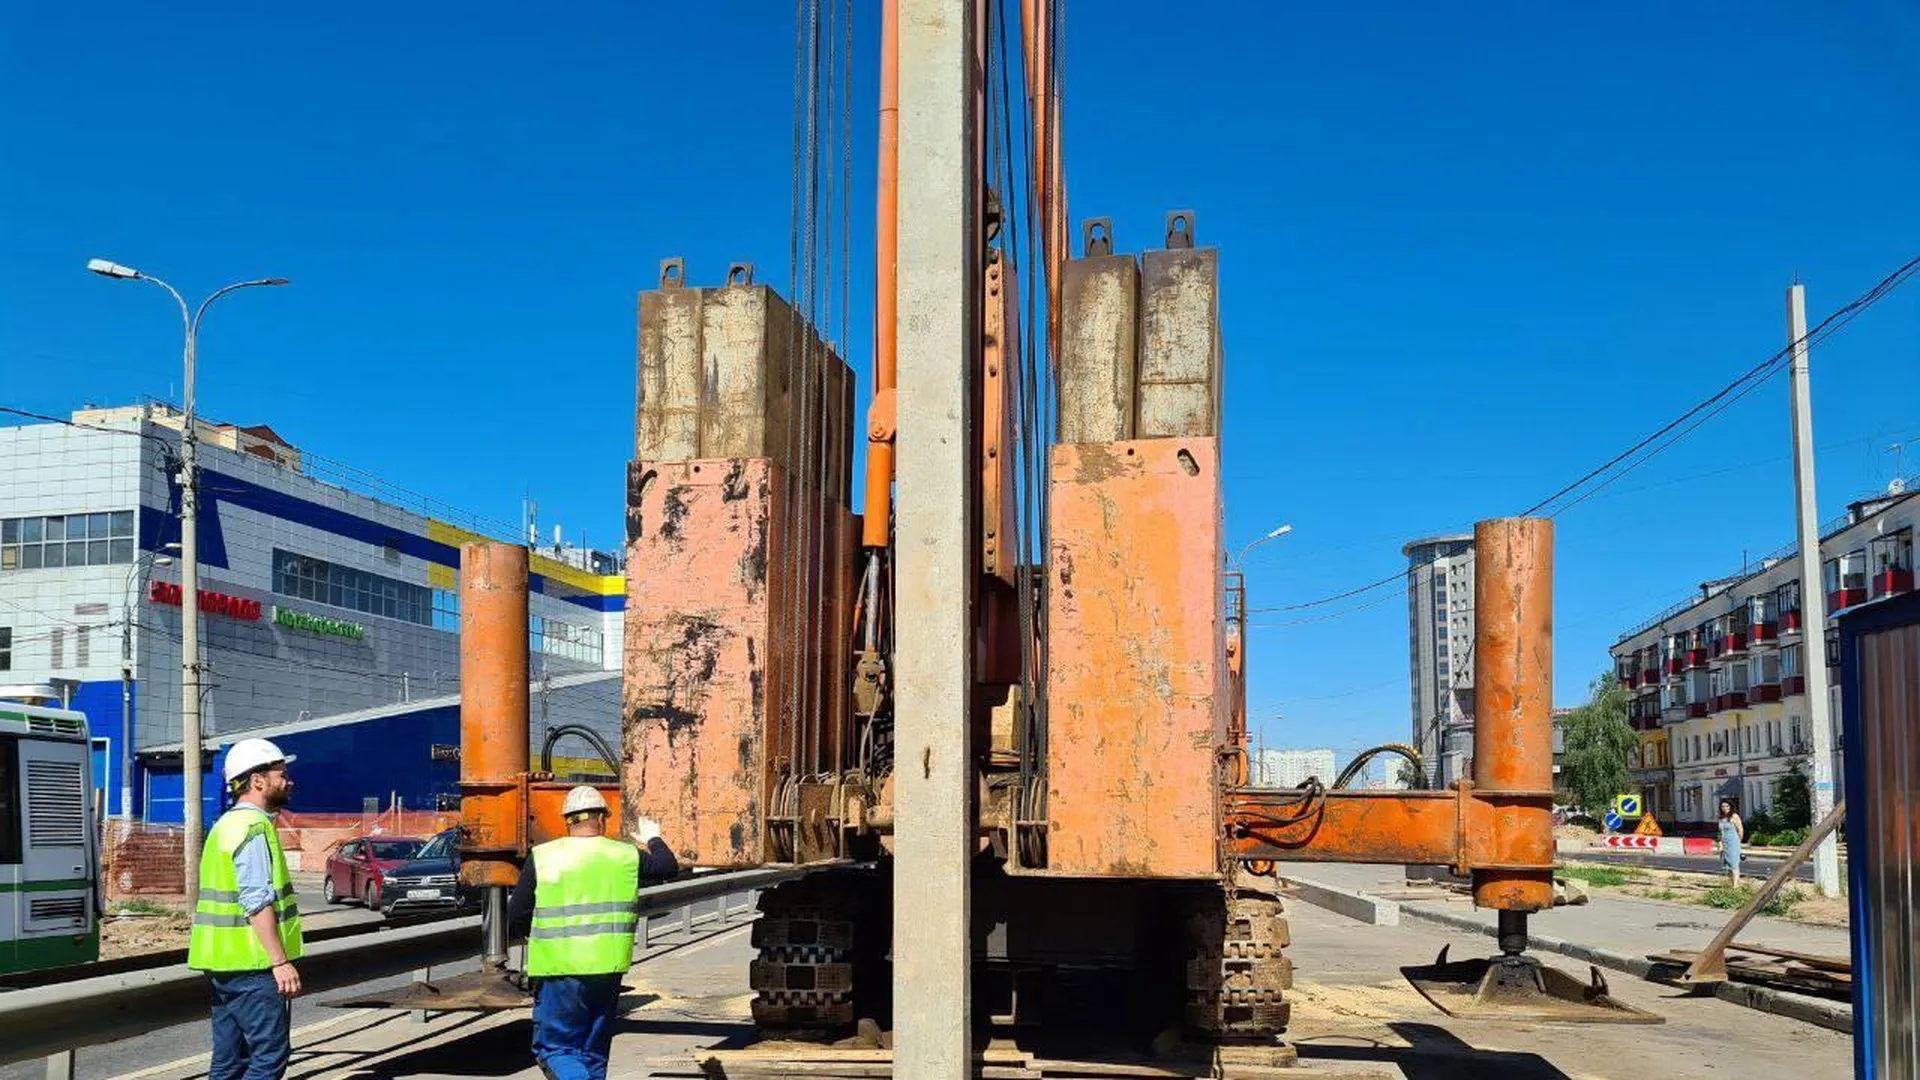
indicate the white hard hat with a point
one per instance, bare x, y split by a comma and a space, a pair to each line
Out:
584, 799
249, 754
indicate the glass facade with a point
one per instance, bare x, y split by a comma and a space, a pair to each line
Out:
96, 539
345, 587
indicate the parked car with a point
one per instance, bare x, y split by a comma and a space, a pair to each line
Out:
431, 879
359, 869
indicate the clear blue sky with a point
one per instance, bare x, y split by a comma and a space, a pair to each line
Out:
1468, 254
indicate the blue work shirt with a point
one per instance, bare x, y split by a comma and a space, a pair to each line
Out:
253, 868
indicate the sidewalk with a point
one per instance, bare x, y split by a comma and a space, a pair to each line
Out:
1609, 930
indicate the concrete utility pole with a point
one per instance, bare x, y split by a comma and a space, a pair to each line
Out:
1813, 598
938, 356
191, 783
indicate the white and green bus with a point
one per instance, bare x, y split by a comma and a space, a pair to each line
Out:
49, 868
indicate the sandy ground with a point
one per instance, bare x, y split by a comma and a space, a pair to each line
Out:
132, 935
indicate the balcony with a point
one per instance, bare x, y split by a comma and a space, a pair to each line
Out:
1845, 598
1675, 667
1696, 710
1790, 621
1763, 692
1888, 582
1793, 684
1696, 658
1736, 699
1765, 633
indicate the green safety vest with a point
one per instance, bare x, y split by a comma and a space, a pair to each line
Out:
222, 939
586, 893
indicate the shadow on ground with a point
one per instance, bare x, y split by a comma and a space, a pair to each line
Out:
502, 1050
1434, 1053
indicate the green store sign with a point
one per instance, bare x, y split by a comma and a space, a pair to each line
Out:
319, 624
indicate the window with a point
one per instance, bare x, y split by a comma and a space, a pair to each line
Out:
6, 648
57, 647
1790, 661
9, 802
446, 609
1787, 597
552, 637
1696, 748
33, 543
343, 586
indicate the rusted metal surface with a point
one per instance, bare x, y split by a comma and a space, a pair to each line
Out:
1099, 324
1037, 23
1517, 988
999, 359
494, 737
704, 666
1513, 685
1180, 355
1137, 670
1459, 828
544, 821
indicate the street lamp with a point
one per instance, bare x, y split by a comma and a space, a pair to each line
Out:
1274, 535
190, 746
137, 573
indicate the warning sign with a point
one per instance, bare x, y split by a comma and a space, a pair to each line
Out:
1648, 826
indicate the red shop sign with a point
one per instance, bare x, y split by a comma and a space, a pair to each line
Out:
233, 607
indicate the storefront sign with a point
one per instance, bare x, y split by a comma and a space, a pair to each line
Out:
233, 607
443, 752
319, 624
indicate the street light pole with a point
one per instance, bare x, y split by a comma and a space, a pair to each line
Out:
190, 742
142, 566
1274, 535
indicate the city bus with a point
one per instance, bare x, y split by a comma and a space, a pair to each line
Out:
49, 865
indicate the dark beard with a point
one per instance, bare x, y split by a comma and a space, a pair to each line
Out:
276, 800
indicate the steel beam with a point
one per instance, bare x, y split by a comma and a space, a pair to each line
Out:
937, 355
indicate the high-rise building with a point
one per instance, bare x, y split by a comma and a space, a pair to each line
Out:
1291, 768
1440, 653
1719, 680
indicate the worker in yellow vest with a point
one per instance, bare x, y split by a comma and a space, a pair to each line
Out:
577, 903
246, 926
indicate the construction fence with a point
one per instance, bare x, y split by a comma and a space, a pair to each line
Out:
147, 861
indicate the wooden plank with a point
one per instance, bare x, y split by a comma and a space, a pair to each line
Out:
1815, 960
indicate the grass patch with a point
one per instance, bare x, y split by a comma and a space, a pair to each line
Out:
1727, 897
1595, 875
1662, 894
141, 906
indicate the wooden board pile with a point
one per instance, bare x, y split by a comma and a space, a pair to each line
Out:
1002, 1060
1807, 973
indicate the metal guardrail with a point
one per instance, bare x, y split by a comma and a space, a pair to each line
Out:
51, 1021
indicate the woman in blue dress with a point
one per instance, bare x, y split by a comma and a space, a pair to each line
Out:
1732, 831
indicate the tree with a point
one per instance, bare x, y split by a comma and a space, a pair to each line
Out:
1793, 800
1599, 744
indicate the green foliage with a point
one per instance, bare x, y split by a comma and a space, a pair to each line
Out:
1729, 898
1793, 801
1662, 894
1594, 875
1599, 744
1778, 838
1757, 823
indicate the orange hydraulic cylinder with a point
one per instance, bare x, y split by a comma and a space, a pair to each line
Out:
1513, 704
494, 736
877, 513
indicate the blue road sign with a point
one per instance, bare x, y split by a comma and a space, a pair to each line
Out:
1612, 821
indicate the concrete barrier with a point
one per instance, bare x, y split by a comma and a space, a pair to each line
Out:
1354, 905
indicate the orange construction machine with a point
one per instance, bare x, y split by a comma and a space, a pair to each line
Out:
1113, 864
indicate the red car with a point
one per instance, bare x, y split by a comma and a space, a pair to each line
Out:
358, 869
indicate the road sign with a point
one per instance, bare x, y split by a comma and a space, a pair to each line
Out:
1648, 827
1612, 822
1627, 806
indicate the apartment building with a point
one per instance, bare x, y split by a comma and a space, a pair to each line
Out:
1290, 768
1440, 654
1719, 680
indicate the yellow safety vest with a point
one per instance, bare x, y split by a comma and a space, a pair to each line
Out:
222, 939
586, 892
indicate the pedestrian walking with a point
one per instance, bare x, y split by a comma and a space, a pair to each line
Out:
246, 927
577, 903
1732, 832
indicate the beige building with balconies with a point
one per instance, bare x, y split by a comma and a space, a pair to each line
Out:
1722, 675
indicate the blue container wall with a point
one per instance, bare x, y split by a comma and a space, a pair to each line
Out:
100, 701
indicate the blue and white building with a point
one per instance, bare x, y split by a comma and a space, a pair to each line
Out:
329, 608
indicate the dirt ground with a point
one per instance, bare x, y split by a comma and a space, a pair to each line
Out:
134, 935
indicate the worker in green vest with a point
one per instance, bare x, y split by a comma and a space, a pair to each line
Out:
246, 926
577, 903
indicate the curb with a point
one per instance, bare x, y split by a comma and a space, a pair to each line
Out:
1832, 1015
1372, 910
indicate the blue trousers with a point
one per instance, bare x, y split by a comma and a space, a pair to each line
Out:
251, 1028
573, 1025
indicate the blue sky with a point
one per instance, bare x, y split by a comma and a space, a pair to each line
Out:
1469, 251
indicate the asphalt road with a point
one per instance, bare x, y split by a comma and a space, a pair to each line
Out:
171, 1044
1757, 867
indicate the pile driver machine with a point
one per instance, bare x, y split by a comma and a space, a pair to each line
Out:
998, 695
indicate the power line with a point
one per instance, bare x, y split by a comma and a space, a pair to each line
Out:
1679, 427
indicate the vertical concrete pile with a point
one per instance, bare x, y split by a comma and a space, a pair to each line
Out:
740, 552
